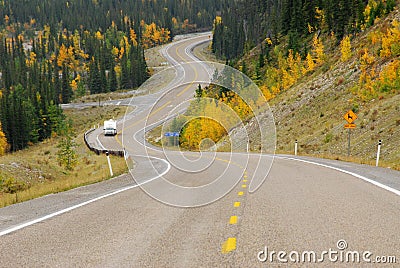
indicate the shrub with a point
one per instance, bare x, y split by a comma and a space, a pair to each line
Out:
11, 185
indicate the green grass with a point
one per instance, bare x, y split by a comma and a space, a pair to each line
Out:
36, 168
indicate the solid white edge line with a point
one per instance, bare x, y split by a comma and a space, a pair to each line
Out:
57, 213
21, 226
380, 185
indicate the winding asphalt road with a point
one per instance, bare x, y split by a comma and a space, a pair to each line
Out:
304, 206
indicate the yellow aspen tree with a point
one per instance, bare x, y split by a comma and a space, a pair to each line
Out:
115, 52
266, 92
62, 55
165, 35
175, 23
275, 89
146, 36
3, 141
294, 67
287, 79
72, 61
318, 49
345, 48
366, 59
395, 47
389, 76
76, 40
365, 80
74, 85
310, 63
156, 38
387, 41
121, 52
99, 36
125, 43
367, 15
391, 41
118, 70
32, 59
375, 37
133, 37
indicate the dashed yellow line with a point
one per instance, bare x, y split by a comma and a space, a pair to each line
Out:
159, 109
233, 220
229, 245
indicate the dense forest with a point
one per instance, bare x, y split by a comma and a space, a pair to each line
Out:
54, 51
251, 22
178, 16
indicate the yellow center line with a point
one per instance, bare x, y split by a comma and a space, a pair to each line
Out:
233, 220
240, 193
229, 245
244, 186
236, 204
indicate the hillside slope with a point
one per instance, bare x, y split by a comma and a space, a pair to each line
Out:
311, 111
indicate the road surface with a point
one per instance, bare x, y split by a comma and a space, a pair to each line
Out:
302, 208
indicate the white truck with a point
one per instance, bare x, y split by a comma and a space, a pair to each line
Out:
110, 127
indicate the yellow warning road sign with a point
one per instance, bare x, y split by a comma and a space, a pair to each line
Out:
350, 116
351, 126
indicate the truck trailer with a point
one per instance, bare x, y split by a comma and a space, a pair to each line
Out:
110, 127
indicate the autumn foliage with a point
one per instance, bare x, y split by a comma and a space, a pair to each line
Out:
3, 142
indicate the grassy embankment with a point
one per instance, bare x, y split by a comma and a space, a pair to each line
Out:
311, 111
35, 171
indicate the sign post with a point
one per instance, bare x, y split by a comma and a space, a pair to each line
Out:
109, 163
174, 135
350, 116
378, 153
349, 144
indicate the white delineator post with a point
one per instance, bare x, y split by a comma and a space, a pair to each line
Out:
109, 164
295, 147
379, 152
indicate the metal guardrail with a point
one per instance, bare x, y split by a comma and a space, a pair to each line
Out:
100, 151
